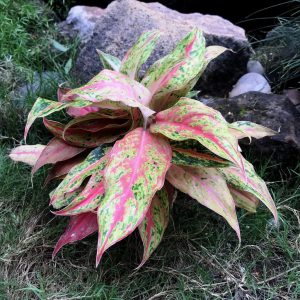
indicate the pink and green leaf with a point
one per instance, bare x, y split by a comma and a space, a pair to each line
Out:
28, 154
110, 89
88, 200
109, 61
168, 78
87, 138
244, 199
250, 183
95, 162
155, 223
135, 172
43, 107
187, 157
208, 187
242, 129
139, 53
56, 150
63, 167
190, 119
79, 227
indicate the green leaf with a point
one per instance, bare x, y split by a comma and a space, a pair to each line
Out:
139, 53
108, 61
68, 66
58, 46
89, 199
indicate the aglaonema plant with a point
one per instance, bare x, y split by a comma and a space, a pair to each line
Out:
130, 143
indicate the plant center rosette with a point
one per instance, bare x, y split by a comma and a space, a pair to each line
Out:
131, 143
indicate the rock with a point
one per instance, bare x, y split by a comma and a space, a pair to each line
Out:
122, 22
81, 20
254, 66
40, 84
270, 110
251, 82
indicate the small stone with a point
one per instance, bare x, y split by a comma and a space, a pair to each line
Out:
40, 84
251, 82
254, 66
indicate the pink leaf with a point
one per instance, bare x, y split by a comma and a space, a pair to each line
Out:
208, 187
252, 184
191, 120
63, 167
28, 154
56, 150
89, 199
79, 227
135, 172
114, 90
156, 221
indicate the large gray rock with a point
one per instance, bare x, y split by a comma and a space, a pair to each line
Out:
274, 111
118, 27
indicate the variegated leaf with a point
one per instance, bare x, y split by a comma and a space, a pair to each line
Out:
242, 129
139, 53
208, 187
95, 162
56, 150
28, 154
190, 119
250, 183
109, 61
186, 157
155, 222
61, 91
212, 52
63, 167
169, 77
88, 200
94, 122
113, 90
87, 139
244, 199
135, 172
79, 227
79, 112
43, 107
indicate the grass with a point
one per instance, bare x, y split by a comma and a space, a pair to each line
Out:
28, 47
199, 257
279, 50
